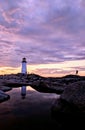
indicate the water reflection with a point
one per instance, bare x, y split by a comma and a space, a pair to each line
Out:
23, 92
31, 113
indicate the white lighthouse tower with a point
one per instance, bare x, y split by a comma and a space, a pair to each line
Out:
24, 67
23, 71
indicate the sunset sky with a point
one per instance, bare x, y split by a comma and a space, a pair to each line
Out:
50, 34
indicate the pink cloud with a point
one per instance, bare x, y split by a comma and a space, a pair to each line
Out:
43, 31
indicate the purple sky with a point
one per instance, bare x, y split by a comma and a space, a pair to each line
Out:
43, 31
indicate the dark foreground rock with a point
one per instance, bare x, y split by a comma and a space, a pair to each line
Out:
69, 110
3, 96
46, 87
5, 88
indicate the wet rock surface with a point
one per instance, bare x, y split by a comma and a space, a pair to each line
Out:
3, 96
69, 109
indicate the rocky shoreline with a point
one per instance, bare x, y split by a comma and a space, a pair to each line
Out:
71, 88
42, 84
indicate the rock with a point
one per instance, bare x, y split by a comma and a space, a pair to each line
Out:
43, 86
75, 95
15, 84
58, 87
3, 96
70, 108
5, 88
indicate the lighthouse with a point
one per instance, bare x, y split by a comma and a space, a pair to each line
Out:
24, 67
23, 71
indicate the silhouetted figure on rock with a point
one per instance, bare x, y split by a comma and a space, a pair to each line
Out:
76, 72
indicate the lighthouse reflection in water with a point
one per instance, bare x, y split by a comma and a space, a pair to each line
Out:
23, 92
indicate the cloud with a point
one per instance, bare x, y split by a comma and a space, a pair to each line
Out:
42, 31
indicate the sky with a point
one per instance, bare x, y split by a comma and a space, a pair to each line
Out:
50, 34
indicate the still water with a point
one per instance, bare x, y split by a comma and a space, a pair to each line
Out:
27, 109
